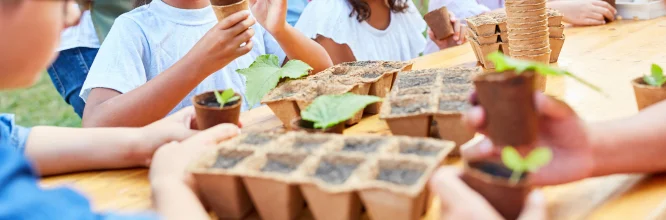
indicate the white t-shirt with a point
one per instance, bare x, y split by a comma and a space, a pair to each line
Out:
401, 41
148, 40
81, 35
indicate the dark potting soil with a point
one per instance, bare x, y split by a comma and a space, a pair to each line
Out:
278, 167
414, 81
420, 149
365, 146
415, 91
227, 162
408, 109
309, 144
394, 65
456, 79
453, 105
360, 63
257, 139
400, 176
495, 169
459, 89
334, 173
371, 75
212, 102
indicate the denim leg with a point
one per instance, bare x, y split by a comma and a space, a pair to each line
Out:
68, 73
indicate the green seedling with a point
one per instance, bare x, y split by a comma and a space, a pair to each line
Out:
657, 78
265, 73
504, 63
536, 159
329, 110
227, 96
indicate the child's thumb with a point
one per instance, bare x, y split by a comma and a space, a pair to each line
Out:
535, 208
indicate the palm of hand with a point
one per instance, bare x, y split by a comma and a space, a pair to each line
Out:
271, 14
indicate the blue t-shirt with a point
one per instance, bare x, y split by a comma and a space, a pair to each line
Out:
20, 195
294, 10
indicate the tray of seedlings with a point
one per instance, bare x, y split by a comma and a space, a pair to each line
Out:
430, 103
489, 33
335, 176
373, 78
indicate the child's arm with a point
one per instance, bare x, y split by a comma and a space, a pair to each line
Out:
55, 150
149, 102
272, 15
589, 12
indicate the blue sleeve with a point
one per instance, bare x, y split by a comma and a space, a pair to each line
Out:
294, 10
22, 198
11, 135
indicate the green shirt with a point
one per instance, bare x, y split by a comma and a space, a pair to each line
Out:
104, 12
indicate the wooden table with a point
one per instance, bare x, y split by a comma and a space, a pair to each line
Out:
610, 56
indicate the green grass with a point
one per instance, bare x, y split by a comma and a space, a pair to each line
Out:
39, 105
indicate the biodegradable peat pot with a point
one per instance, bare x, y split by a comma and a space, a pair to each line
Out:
360, 89
298, 124
275, 199
384, 204
451, 127
224, 8
647, 95
380, 89
508, 100
285, 110
556, 47
491, 180
413, 126
209, 113
440, 23
226, 195
332, 206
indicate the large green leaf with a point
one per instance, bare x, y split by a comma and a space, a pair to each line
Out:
512, 159
265, 73
656, 78
329, 110
538, 158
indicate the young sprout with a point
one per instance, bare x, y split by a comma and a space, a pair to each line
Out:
227, 96
536, 159
504, 63
329, 110
657, 78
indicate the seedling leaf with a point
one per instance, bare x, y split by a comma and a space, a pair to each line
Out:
219, 98
538, 158
656, 78
504, 63
512, 159
225, 97
265, 73
329, 110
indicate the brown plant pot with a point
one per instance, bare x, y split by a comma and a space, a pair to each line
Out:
506, 198
297, 124
285, 110
647, 95
440, 23
225, 194
383, 204
274, 199
208, 116
224, 8
360, 89
556, 47
413, 126
332, 206
380, 89
451, 127
508, 100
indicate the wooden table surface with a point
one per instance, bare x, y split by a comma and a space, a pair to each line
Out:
610, 56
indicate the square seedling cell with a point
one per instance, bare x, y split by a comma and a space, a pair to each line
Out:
400, 172
290, 89
284, 163
412, 81
457, 89
410, 105
453, 103
258, 139
396, 65
419, 147
416, 91
367, 63
336, 170
363, 144
309, 143
229, 158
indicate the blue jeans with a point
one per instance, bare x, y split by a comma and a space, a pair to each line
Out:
69, 72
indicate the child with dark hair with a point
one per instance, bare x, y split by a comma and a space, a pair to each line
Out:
352, 30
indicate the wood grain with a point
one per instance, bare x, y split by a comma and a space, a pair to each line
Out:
609, 56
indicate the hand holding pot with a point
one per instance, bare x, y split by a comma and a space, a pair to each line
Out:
560, 129
458, 37
222, 43
271, 14
458, 201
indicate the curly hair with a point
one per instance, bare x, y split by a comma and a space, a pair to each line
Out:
362, 9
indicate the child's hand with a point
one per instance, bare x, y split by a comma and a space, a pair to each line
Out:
585, 12
560, 129
271, 14
171, 160
459, 34
176, 127
459, 201
222, 43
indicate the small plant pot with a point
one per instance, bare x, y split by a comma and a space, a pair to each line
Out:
556, 47
285, 110
274, 199
440, 23
508, 100
209, 114
413, 126
491, 180
384, 204
360, 89
647, 95
451, 127
224, 8
226, 195
380, 89
298, 124
332, 206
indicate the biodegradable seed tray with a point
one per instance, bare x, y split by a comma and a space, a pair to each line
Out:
277, 176
430, 102
488, 33
361, 77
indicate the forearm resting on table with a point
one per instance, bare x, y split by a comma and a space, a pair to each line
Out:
56, 150
175, 200
145, 104
298, 46
635, 144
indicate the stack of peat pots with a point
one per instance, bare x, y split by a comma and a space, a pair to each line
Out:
336, 176
362, 78
430, 103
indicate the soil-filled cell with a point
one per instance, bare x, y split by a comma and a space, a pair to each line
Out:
309, 144
258, 139
364, 145
334, 173
406, 82
400, 176
409, 107
420, 149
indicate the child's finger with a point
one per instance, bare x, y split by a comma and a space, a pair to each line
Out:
480, 147
242, 26
553, 108
591, 21
244, 49
475, 117
535, 207
213, 135
243, 37
232, 20
456, 31
595, 15
606, 12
